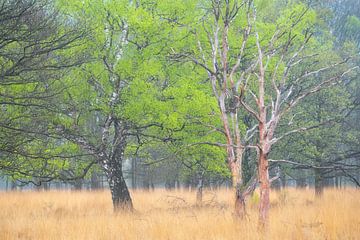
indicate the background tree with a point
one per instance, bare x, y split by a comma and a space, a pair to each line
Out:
280, 83
35, 50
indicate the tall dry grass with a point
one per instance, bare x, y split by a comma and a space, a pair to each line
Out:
295, 214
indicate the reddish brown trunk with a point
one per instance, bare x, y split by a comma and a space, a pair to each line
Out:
263, 163
264, 190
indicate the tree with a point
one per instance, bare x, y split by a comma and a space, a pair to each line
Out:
212, 35
322, 148
333, 154
128, 89
281, 83
35, 50
261, 64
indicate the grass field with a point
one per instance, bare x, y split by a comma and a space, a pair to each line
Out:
295, 214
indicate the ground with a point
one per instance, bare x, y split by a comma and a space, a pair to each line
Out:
160, 214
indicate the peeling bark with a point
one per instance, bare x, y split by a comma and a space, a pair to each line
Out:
264, 190
239, 198
119, 192
113, 167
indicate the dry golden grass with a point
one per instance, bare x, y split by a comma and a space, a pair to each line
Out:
161, 214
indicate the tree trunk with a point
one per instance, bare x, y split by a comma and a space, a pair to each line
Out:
113, 166
199, 189
264, 189
301, 182
337, 182
13, 185
282, 178
169, 184
146, 178
94, 181
265, 136
177, 184
319, 183
133, 172
78, 184
277, 183
119, 192
240, 210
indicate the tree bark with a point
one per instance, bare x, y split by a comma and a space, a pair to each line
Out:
240, 207
119, 192
301, 182
319, 183
199, 189
113, 166
266, 132
78, 184
264, 189
94, 181
133, 172
13, 185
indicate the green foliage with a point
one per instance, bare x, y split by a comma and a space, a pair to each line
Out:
165, 105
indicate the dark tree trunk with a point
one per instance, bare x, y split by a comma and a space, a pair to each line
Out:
78, 184
146, 178
133, 172
177, 183
301, 182
113, 166
319, 183
119, 192
43, 186
13, 185
146, 184
169, 184
152, 185
94, 181
282, 178
337, 182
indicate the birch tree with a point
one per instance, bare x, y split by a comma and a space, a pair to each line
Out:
128, 88
280, 84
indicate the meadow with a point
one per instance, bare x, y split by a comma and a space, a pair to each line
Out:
173, 215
